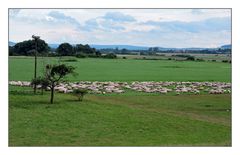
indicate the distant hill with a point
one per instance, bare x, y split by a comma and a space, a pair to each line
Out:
226, 46
132, 47
129, 47
11, 43
53, 45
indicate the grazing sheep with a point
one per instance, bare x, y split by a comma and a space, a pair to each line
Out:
148, 87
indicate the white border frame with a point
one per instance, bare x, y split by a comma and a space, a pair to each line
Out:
121, 4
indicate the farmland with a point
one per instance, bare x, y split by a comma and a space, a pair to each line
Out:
127, 119
21, 68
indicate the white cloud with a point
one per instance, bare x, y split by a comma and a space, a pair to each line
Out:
172, 28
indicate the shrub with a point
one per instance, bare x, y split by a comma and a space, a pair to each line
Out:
124, 57
52, 54
225, 61
190, 58
169, 58
41, 81
199, 59
92, 56
81, 55
182, 55
213, 60
110, 56
80, 93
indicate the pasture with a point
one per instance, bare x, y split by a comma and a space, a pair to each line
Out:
165, 56
128, 119
90, 69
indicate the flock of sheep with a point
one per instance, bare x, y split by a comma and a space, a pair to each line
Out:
148, 87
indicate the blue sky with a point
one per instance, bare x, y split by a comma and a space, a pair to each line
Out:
143, 27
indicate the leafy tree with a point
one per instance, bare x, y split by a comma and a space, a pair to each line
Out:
65, 49
86, 49
26, 47
55, 74
11, 51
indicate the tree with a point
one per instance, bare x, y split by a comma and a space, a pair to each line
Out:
11, 51
24, 47
65, 49
86, 49
56, 73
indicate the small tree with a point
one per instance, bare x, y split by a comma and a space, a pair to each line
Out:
80, 93
56, 73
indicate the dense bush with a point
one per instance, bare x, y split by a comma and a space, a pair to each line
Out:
190, 58
110, 56
199, 59
40, 81
182, 55
81, 55
80, 93
225, 61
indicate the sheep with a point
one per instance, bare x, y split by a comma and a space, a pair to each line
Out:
148, 87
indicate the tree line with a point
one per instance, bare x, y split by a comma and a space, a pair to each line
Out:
27, 48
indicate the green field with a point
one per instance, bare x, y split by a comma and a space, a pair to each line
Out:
128, 119
165, 56
119, 120
21, 68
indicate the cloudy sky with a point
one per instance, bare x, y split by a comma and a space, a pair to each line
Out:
144, 27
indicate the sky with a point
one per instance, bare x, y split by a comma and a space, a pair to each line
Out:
176, 28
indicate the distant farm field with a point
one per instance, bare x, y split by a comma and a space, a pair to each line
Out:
90, 69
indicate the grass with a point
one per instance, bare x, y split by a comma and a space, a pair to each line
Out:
164, 56
119, 120
129, 119
90, 69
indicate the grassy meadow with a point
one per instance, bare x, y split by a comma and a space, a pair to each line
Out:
90, 69
128, 119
